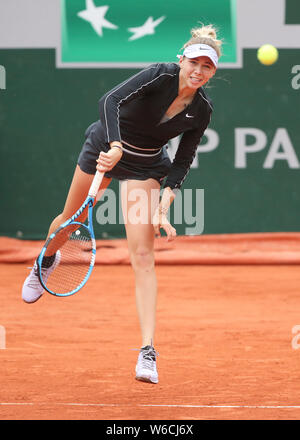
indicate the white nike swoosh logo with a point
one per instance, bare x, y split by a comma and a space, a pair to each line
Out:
189, 116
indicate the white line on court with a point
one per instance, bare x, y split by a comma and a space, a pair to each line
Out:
228, 406
16, 403
148, 405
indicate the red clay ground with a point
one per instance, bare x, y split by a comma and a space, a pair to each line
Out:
224, 336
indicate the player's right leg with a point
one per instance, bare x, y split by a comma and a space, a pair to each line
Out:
32, 289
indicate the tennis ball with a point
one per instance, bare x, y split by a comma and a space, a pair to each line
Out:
267, 54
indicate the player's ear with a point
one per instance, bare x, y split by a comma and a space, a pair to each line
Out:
213, 71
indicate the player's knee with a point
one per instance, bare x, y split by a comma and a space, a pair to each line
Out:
142, 259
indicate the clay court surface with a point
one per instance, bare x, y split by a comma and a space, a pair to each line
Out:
224, 337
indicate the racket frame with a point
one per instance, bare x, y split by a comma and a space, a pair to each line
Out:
89, 201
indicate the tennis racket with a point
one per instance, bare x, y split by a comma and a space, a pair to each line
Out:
72, 248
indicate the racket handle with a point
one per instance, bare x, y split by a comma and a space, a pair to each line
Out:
95, 184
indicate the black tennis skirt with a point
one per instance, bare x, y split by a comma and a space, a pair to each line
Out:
134, 164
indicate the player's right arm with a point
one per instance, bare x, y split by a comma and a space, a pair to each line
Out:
107, 160
135, 86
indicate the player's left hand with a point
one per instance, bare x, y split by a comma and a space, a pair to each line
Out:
160, 221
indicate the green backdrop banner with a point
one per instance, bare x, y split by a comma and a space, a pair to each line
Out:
247, 164
246, 173
128, 34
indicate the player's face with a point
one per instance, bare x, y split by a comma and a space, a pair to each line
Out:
195, 72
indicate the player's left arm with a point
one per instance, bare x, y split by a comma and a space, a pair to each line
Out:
180, 167
185, 155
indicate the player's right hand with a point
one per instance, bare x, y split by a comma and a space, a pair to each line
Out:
106, 161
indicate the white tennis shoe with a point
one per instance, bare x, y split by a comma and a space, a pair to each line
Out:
146, 365
32, 288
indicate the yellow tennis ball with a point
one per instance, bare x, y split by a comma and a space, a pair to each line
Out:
267, 54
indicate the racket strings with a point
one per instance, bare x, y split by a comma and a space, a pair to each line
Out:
74, 257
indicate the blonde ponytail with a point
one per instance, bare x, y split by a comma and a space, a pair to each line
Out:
205, 35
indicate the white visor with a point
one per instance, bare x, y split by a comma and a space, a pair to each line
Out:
201, 50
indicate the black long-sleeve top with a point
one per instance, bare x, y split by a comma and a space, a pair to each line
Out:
132, 113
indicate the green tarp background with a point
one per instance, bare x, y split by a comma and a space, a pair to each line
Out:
45, 111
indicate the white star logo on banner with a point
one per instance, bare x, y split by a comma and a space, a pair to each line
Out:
148, 28
95, 15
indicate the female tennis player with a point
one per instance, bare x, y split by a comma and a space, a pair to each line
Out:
137, 119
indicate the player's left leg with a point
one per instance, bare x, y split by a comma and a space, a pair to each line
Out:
139, 201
